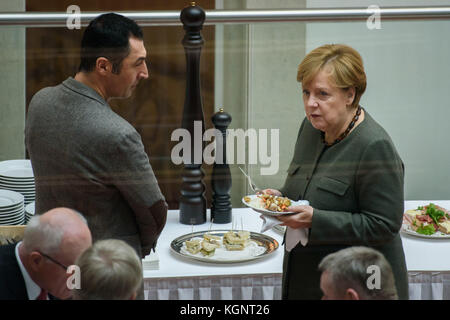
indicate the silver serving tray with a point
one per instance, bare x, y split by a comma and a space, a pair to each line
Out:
269, 243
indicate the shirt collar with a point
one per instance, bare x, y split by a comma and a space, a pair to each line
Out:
33, 290
83, 89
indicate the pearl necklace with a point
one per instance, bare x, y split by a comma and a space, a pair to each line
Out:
346, 132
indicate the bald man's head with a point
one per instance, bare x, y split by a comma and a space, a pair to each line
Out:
52, 242
49, 230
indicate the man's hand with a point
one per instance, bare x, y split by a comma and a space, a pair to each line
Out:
272, 192
303, 219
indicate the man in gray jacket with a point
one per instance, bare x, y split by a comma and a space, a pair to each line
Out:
85, 156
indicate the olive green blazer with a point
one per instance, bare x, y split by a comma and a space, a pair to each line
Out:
356, 190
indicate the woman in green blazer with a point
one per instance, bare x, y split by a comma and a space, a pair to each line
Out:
347, 167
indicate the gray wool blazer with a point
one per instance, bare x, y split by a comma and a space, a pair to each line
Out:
356, 190
88, 158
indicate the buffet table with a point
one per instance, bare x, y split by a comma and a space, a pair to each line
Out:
185, 279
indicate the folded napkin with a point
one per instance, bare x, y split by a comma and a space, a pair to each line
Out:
269, 223
151, 261
294, 236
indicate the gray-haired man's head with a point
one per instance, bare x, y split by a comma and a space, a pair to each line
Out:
357, 273
51, 243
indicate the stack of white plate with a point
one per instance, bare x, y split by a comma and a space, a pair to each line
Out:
17, 175
11, 208
29, 211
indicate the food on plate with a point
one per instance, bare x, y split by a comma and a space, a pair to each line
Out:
244, 234
273, 203
234, 241
428, 219
193, 246
247, 199
230, 241
444, 227
216, 240
410, 215
208, 249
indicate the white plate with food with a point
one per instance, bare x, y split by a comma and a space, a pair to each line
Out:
224, 246
271, 205
429, 222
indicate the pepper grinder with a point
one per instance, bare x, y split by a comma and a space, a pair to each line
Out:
221, 176
193, 200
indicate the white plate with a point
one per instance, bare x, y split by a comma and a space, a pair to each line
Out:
7, 215
30, 191
16, 180
11, 212
254, 198
12, 184
20, 169
13, 208
24, 192
13, 220
14, 223
10, 198
438, 235
29, 208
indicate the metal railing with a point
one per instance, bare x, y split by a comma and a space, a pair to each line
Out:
59, 19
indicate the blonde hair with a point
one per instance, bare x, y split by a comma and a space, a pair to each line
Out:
344, 64
110, 270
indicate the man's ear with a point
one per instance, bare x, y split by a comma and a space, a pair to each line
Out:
36, 261
351, 294
103, 66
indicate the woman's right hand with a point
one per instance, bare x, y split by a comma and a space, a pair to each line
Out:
272, 192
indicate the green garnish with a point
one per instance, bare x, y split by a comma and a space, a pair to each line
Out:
428, 229
419, 208
434, 213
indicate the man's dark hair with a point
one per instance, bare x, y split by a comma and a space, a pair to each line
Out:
108, 36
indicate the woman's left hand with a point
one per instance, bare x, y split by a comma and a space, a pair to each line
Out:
303, 219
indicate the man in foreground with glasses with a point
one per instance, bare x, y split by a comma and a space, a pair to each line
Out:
37, 266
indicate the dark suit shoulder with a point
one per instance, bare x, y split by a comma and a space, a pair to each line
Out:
12, 284
371, 131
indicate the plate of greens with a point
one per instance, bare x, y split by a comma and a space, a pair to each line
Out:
430, 221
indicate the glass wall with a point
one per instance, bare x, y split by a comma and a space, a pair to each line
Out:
250, 71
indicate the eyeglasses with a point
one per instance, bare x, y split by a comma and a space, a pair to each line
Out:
53, 260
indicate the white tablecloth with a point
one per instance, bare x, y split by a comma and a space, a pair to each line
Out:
180, 278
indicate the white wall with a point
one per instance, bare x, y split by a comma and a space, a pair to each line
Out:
256, 69
407, 65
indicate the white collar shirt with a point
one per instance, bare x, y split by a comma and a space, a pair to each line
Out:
33, 290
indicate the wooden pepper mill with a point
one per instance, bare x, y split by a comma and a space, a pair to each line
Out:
221, 176
193, 201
